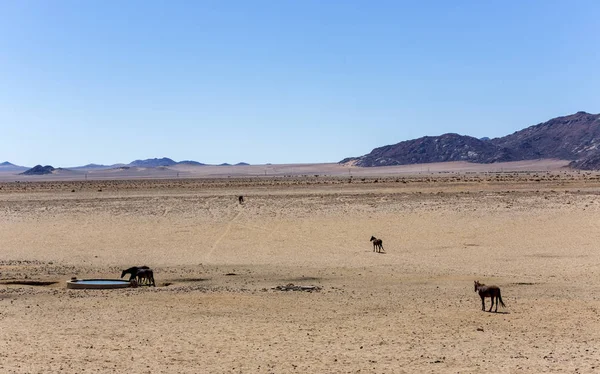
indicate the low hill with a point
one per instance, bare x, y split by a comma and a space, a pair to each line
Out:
153, 162
93, 167
39, 170
190, 162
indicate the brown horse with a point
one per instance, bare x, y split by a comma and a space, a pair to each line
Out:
491, 292
377, 244
145, 276
132, 271
241, 199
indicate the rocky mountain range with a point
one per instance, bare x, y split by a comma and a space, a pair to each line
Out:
574, 137
147, 163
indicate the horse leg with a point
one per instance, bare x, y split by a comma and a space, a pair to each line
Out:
483, 303
491, 306
496, 310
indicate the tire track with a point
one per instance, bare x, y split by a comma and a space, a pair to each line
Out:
223, 235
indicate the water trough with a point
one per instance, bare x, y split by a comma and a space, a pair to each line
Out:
96, 284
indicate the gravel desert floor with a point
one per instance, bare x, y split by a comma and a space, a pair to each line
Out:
217, 263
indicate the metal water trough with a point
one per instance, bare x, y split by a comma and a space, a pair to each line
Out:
97, 284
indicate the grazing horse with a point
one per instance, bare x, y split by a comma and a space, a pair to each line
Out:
146, 276
377, 244
241, 199
491, 292
133, 271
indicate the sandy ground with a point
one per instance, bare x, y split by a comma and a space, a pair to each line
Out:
216, 262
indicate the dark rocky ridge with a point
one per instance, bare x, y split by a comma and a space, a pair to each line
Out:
153, 162
190, 162
39, 170
575, 137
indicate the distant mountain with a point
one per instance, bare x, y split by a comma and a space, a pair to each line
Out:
224, 164
575, 137
7, 166
94, 166
39, 170
189, 162
147, 163
153, 162
242, 164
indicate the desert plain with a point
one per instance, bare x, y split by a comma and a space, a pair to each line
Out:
217, 263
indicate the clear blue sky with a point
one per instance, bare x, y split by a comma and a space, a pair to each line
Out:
109, 81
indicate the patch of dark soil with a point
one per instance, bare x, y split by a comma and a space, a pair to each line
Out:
190, 280
29, 282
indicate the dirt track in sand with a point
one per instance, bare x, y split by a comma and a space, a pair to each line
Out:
411, 309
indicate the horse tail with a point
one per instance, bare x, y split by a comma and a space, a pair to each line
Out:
500, 298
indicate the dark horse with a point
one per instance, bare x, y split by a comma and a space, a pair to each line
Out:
491, 292
241, 199
377, 244
133, 271
146, 276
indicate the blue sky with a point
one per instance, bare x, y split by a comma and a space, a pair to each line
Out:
278, 81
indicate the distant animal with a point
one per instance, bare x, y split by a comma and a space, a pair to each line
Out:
132, 271
145, 276
241, 199
491, 292
377, 244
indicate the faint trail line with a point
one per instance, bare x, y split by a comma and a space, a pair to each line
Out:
225, 233
208, 206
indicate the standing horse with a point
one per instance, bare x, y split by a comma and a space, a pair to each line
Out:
491, 292
377, 244
241, 199
133, 271
146, 276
